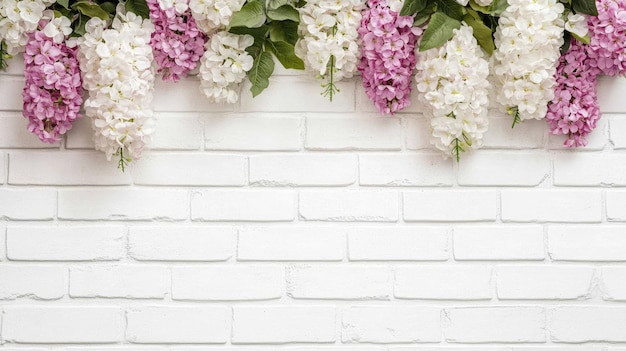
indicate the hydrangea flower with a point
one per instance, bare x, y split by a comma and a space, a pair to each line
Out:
574, 111
328, 42
118, 74
224, 65
453, 86
213, 15
388, 55
528, 39
53, 91
177, 43
607, 48
18, 18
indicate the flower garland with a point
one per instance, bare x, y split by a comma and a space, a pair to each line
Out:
452, 83
52, 93
388, 55
117, 73
607, 48
177, 43
328, 42
224, 66
528, 39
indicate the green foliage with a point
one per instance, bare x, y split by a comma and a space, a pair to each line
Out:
285, 12
585, 6
138, 7
440, 29
4, 56
412, 7
90, 10
262, 69
451, 8
251, 15
482, 33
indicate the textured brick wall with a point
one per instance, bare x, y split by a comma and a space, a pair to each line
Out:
289, 223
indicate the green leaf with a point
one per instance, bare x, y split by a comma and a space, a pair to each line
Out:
284, 52
90, 10
567, 36
64, 3
286, 31
108, 6
476, 7
423, 16
274, 4
138, 7
251, 15
585, 6
482, 33
259, 75
585, 40
440, 29
79, 29
285, 12
498, 7
259, 35
412, 7
451, 8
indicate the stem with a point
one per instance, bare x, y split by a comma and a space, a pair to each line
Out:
458, 148
3, 55
330, 88
123, 162
516, 116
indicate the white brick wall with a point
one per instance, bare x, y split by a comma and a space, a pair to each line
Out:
289, 223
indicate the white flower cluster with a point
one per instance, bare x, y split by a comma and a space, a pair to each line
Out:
528, 40
452, 84
224, 65
213, 15
117, 72
17, 19
329, 28
180, 5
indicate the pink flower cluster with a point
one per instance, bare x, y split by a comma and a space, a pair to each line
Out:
52, 93
607, 49
574, 111
388, 56
177, 43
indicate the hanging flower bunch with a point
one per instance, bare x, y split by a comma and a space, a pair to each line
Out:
607, 48
574, 111
528, 41
53, 91
18, 18
452, 84
117, 73
177, 43
388, 55
328, 42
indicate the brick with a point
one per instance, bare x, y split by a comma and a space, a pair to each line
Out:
286, 95
303, 170
123, 204
353, 134
595, 141
610, 97
616, 205
131, 282
11, 93
331, 282
587, 243
81, 134
531, 134
544, 282
495, 324
551, 206
391, 324
65, 243
3, 240
576, 324
177, 131
181, 243
349, 206
27, 204
62, 324
243, 205
618, 131
64, 168
445, 205
191, 169
614, 283
405, 170
443, 283
176, 325
503, 169
15, 66
398, 244
184, 96
256, 133
283, 324
228, 283
42, 282
599, 169
501, 242
3, 168
417, 134
291, 244
15, 135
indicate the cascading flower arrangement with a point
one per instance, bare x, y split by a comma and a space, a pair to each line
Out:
53, 91
118, 74
388, 54
328, 42
177, 43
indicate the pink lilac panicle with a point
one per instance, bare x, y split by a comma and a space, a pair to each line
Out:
52, 93
177, 43
574, 111
607, 48
388, 56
